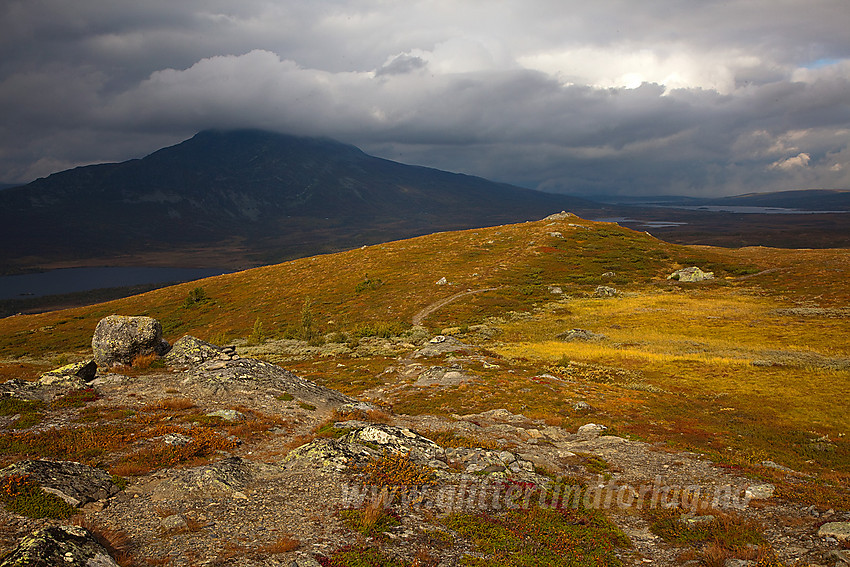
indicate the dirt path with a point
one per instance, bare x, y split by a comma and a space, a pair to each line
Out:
419, 317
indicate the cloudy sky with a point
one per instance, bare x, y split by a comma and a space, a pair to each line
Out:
696, 97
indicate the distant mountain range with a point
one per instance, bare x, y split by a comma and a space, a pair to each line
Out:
232, 199
247, 197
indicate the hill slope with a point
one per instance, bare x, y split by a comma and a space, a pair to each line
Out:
266, 196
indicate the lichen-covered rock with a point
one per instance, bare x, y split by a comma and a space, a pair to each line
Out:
692, 274
76, 483
73, 374
69, 546
190, 350
334, 454
396, 440
119, 339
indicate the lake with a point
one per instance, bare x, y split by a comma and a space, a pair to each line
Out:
68, 280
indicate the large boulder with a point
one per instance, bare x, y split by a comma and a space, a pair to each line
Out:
119, 339
69, 546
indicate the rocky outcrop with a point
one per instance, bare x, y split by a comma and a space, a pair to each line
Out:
439, 346
119, 339
69, 546
223, 376
692, 274
191, 350
441, 376
75, 483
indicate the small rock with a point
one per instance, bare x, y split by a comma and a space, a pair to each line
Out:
759, 491
837, 530
177, 439
582, 406
441, 281
174, 522
591, 430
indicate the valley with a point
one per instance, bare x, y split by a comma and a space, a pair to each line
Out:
529, 339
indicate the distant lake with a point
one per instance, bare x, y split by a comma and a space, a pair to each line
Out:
68, 280
747, 210
648, 224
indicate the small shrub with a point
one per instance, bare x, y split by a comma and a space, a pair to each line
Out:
257, 335
283, 544
372, 520
195, 297
306, 406
397, 470
285, 397
367, 284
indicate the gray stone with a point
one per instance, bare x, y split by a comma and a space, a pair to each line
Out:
591, 430
190, 350
84, 371
582, 406
692, 274
174, 522
69, 546
71, 481
119, 339
759, 491
837, 530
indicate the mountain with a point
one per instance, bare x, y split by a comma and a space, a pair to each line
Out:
247, 194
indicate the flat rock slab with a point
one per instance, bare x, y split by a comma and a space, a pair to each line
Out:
76, 483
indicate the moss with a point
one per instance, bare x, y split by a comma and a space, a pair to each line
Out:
22, 495
538, 536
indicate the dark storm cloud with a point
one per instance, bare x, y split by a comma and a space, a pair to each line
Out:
673, 97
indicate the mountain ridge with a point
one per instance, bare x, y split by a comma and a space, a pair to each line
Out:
269, 192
